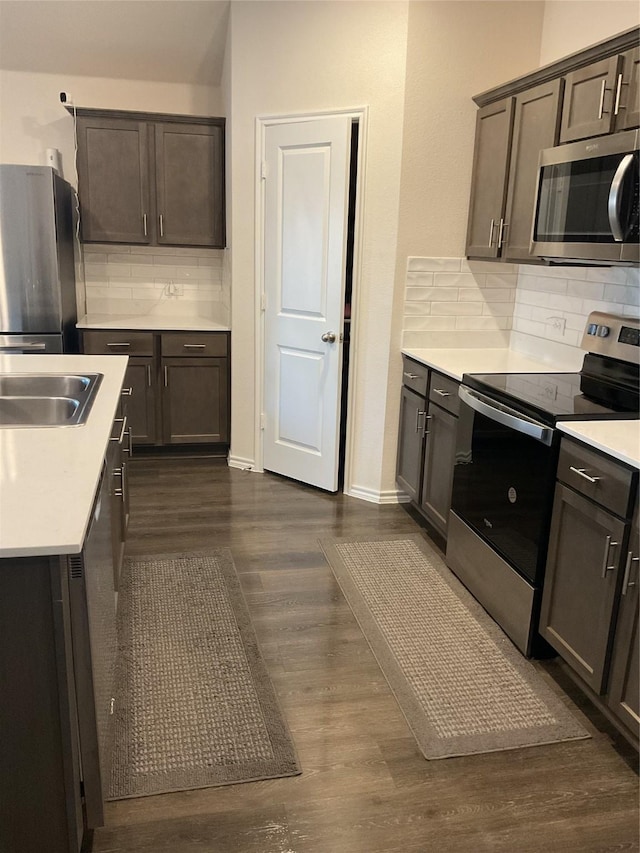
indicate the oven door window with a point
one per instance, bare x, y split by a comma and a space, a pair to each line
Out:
574, 201
502, 489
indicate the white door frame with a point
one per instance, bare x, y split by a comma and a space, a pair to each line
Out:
361, 114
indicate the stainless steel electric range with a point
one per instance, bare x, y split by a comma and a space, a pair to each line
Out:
506, 457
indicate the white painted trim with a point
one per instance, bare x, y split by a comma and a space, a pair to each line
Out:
262, 122
389, 496
242, 464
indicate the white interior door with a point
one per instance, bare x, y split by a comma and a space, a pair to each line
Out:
305, 216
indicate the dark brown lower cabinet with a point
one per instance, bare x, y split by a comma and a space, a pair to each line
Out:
194, 400
179, 383
581, 578
141, 378
427, 440
589, 612
439, 459
624, 686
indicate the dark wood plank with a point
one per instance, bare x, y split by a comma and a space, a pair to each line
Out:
365, 788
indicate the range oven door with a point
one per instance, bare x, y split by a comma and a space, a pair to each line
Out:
587, 201
503, 480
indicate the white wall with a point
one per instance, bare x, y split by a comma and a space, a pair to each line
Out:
33, 119
294, 58
570, 25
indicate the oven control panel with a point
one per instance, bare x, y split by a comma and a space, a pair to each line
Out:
613, 335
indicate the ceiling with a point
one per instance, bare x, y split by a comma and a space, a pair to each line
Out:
172, 41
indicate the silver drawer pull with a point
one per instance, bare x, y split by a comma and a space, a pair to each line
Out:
194, 346
582, 473
127, 392
626, 583
123, 429
425, 431
441, 392
118, 344
411, 375
608, 545
419, 414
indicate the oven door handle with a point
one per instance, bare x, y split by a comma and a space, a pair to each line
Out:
506, 416
615, 199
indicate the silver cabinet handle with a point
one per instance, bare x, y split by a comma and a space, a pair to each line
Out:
123, 422
118, 344
419, 414
608, 545
626, 583
619, 86
129, 448
601, 110
127, 392
441, 392
149, 375
425, 431
117, 472
161, 218
329, 337
410, 375
582, 473
503, 228
20, 347
491, 227
194, 346
144, 224
166, 376
615, 198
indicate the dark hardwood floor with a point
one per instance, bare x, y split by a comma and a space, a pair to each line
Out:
365, 788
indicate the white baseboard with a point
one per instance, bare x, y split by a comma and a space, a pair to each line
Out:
390, 496
239, 462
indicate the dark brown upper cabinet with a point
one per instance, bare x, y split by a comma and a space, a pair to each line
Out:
592, 92
601, 98
509, 137
151, 179
489, 182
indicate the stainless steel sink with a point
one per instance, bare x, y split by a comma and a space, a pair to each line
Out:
43, 385
46, 399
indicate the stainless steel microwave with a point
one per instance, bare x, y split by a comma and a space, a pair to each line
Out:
587, 201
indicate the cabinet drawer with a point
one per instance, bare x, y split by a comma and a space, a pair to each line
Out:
603, 480
444, 392
196, 344
415, 376
117, 343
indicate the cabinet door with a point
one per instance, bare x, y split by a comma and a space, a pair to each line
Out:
189, 169
410, 442
535, 126
624, 686
141, 409
195, 407
440, 451
580, 584
588, 103
626, 107
489, 178
113, 180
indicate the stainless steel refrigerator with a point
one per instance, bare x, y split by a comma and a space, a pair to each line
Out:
37, 274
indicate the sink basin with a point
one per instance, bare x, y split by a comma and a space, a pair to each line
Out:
46, 399
43, 385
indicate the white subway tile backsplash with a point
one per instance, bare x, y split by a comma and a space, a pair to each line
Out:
450, 300
133, 279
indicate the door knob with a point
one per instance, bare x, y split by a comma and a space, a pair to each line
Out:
329, 337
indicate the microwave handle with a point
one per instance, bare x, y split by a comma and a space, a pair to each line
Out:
505, 415
615, 197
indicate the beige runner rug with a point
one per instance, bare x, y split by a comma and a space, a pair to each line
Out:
462, 685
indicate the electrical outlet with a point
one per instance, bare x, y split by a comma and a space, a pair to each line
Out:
557, 323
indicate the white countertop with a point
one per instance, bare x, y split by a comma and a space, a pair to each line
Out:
455, 362
49, 475
620, 439
150, 322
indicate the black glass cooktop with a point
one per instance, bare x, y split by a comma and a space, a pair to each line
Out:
551, 397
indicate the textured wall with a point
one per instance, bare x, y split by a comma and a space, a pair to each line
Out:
570, 25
